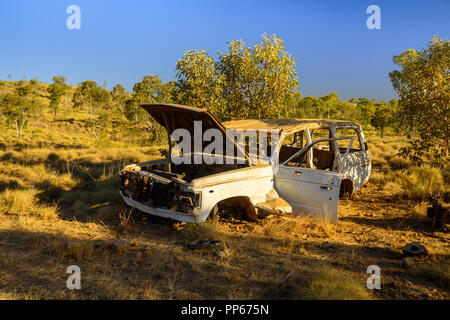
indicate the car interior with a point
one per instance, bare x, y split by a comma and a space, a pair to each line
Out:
322, 152
347, 132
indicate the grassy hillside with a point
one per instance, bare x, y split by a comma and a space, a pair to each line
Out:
59, 205
70, 129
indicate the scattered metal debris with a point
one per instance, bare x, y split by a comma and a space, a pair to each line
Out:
439, 212
414, 249
216, 246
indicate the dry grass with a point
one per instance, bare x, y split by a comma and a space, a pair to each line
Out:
328, 283
279, 257
58, 188
436, 273
399, 177
422, 183
25, 202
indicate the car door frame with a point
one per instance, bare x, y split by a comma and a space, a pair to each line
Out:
357, 167
309, 191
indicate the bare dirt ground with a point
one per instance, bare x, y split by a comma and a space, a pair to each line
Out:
275, 258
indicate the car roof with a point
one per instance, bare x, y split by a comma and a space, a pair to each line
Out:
288, 125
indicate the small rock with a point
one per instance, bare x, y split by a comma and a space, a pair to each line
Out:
120, 246
408, 262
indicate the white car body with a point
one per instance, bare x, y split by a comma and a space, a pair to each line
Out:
279, 185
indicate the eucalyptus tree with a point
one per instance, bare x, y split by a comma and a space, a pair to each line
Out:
57, 90
119, 96
422, 84
244, 82
19, 106
95, 101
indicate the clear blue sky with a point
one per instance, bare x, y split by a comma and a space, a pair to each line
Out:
121, 41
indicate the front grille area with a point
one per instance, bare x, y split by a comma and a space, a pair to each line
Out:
161, 194
143, 188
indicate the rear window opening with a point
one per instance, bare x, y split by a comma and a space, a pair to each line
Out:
322, 152
343, 144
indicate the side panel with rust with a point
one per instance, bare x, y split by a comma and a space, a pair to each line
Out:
253, 183
357, 167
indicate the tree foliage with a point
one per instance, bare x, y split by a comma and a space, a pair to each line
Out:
20, 105
383, 115
119, 97
244, 82
149, 90
331, 107
95, 100
422, 83
57, 90
199, 83
260, 82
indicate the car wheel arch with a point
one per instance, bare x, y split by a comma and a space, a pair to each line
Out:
346, 187
243, 202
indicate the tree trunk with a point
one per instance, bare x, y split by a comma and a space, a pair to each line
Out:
91, 116
17, 128
21, 126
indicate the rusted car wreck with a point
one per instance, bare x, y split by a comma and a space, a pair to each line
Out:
310, 162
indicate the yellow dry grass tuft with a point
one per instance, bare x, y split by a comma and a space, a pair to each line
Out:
24, 202
332, 284
422, 183
437, 273
327, 227
58, 168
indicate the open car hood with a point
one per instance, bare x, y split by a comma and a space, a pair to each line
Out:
175, 116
